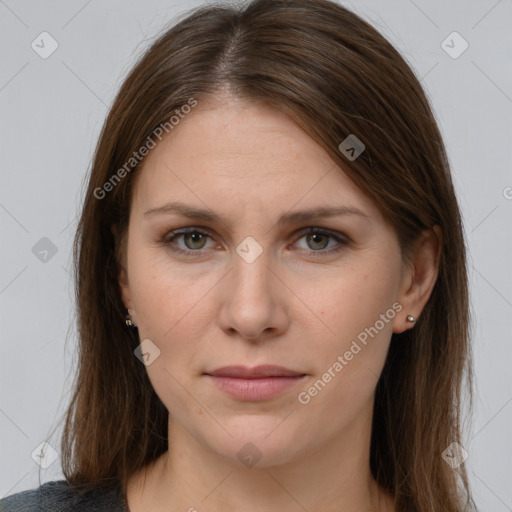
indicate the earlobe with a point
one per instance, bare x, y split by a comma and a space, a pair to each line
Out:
126, 297
122, 278
124, 287
420, 279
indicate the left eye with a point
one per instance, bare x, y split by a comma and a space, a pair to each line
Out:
315, 238
195, 240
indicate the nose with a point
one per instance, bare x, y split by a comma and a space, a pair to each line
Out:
253, 302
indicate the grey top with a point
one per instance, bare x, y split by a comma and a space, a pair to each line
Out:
58, 496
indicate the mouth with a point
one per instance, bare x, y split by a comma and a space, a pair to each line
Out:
254, 384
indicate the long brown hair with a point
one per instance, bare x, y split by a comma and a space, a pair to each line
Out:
334, 75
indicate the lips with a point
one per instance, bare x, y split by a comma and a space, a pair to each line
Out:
258, 372
254, 384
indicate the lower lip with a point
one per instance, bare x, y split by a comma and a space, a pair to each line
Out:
255, 390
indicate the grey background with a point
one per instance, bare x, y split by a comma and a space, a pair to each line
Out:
51, 114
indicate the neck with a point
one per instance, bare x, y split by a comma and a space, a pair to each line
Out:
332, 477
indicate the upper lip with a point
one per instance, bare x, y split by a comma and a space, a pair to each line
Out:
245, 372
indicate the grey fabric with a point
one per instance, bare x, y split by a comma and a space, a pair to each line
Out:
58, 496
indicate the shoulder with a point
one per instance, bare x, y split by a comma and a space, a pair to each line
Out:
59, 496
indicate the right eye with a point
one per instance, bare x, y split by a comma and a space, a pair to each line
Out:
193, 238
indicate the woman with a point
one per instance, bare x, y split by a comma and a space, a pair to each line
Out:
271, 279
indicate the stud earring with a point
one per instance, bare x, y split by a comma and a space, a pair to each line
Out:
410, 318
128, 322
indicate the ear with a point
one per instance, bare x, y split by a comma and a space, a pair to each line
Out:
122, 279
419, 278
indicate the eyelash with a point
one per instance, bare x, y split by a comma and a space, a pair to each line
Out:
172, 235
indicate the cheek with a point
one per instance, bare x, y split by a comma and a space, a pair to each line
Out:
357, 309
167, 305
166, 302
354, 299
165, 294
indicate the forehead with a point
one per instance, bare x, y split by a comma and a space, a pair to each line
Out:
244, 155
227, 131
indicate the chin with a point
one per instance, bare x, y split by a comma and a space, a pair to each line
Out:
258, 441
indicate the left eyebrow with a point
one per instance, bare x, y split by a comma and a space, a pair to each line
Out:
318, 213
287, 218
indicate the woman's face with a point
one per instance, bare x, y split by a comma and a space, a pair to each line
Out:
248, 286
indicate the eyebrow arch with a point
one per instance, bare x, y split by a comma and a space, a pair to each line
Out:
287, 218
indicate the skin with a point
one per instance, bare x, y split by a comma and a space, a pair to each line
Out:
291, 307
